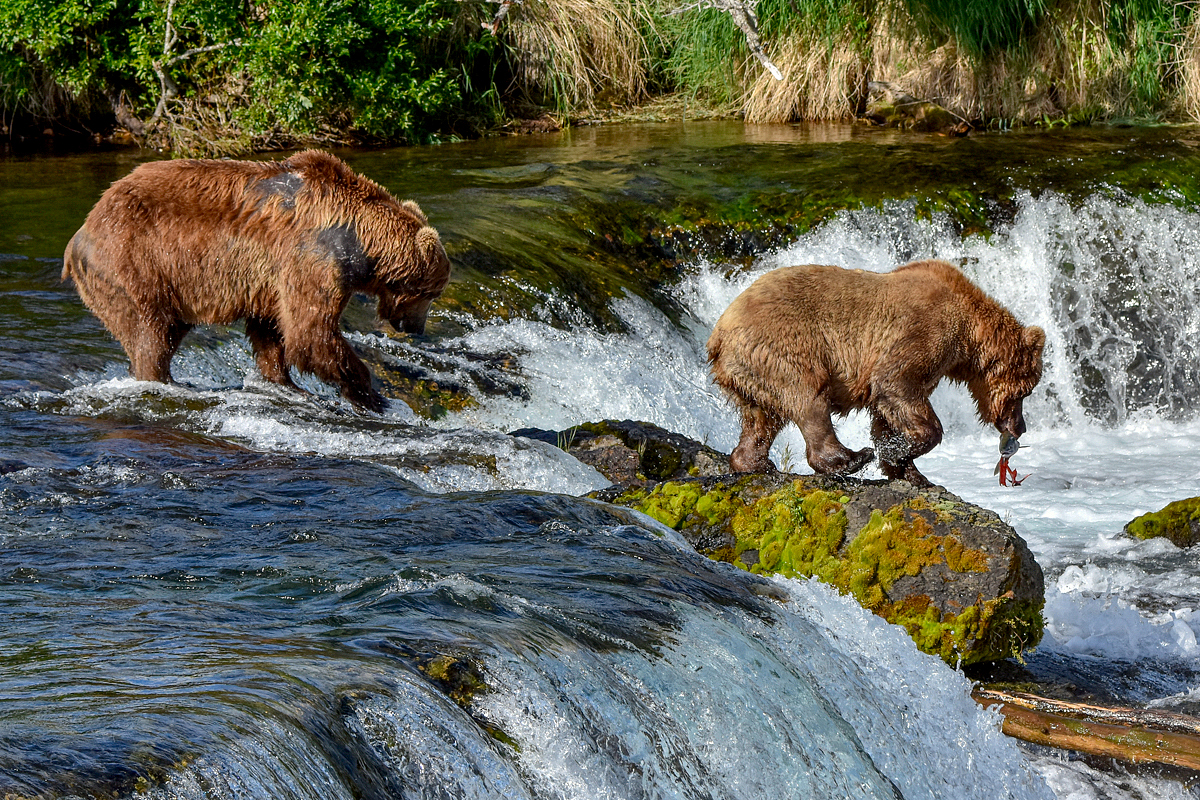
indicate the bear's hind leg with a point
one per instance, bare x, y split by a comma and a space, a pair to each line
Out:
267, 343
826, 453
759, 429
151, 346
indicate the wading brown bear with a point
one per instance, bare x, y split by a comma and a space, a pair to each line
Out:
805, 343
283, 245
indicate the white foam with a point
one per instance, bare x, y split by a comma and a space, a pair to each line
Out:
263, 416
842, 699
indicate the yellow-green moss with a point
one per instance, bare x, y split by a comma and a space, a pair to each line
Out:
459, 679
1179, 522
801, 531
796, 531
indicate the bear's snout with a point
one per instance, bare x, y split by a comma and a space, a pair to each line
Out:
1013, 424
408, 317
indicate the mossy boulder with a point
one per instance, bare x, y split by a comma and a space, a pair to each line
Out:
633, 453
955, 576
1179, 522
892, 107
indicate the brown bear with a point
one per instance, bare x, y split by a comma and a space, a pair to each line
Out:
804, 343
283, 245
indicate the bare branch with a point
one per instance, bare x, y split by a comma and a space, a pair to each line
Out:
186, 54
742, 13
501, 13
168, 89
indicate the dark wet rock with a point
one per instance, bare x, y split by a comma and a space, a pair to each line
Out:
892, 107
1179, 522
632, 453
954, 575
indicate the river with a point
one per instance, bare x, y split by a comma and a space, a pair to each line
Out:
221, 589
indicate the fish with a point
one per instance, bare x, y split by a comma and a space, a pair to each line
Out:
1009, 445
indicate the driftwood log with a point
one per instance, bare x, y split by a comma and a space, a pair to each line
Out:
1135, 735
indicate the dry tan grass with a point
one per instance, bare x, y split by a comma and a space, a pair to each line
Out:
575, 52
1189, 72
1068, 65
820, 81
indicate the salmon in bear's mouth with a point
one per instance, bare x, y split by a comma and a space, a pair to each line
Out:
1009, 445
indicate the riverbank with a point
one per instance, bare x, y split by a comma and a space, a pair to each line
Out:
180, 78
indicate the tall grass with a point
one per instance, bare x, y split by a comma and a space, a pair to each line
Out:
976, 27
1083, 60
1014, 61
569, 54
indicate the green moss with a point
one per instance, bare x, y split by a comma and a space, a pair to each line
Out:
459, 679
801, 531
797, 532
426, 396
1179, 522
677, 504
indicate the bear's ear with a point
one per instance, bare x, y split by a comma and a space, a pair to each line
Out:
415, 210
433, 255
1034, 338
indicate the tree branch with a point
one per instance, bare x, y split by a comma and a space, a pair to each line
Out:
1128, 734
742, 13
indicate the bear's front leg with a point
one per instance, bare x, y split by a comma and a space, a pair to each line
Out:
332, 360
899, 445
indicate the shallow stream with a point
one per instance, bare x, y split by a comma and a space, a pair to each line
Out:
220, 589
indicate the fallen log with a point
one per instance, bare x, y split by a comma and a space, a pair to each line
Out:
1135, 735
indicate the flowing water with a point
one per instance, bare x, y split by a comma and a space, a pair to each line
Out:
221, 589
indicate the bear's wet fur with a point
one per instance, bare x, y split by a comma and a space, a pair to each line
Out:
282, 245
804, 343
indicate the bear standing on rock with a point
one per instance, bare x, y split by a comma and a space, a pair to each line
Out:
283, 245
804, 343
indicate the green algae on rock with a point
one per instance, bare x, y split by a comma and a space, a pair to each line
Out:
634, 453
1178, 521
958, 579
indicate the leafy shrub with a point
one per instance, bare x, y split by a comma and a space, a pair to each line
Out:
389, 70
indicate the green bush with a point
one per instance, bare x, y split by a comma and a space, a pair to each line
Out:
387, 70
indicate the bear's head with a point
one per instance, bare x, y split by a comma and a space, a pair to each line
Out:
408, 288
1008, 377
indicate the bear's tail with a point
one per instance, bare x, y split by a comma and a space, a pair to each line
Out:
68, 260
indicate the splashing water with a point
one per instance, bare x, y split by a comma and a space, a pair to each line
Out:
1113, 425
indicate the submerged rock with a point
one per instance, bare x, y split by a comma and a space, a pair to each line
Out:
955, 576
1179, 522
634, 453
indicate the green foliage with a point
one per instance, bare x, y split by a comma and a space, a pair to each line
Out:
706, 44
1150, 31
378, 69
978, 26
261, 73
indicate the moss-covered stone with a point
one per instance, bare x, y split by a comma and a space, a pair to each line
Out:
1179, 522
632, 453
459, 679
953, 575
